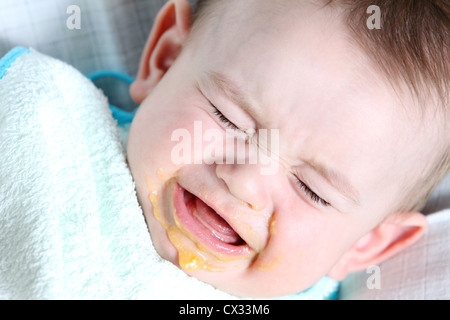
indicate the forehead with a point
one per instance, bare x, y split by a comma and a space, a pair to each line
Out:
280, 43
286, 59
296, 64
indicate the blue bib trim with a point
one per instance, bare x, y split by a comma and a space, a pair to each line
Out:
9, 58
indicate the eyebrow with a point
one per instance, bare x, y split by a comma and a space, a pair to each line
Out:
220, 82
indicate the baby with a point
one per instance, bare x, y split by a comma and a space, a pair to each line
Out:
352, 120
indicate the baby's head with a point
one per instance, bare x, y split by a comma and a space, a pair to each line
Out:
352, 123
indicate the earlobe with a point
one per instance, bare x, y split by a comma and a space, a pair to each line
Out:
394, 234
170, 29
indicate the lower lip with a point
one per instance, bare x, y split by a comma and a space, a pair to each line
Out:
194, 227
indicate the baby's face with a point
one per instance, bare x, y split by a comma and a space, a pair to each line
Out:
335, 169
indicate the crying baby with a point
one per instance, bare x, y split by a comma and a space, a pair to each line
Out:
322, 145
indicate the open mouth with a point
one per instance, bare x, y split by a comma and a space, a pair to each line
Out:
208, 227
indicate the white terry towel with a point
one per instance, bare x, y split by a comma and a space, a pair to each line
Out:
70, 223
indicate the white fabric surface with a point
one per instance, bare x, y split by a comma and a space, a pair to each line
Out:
419, 272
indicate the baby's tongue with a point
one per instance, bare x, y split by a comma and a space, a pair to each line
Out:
218, 226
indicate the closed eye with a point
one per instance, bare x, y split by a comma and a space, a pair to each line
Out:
311, 194
224, 119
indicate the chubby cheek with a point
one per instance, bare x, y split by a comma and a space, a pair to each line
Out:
303, 246
170, 142
152, 150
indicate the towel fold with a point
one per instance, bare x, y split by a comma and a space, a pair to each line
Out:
70, 223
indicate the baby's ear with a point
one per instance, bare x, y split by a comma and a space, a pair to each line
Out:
170, 29
394, 234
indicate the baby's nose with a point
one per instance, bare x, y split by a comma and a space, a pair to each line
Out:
246, 183
248, 169
253, 189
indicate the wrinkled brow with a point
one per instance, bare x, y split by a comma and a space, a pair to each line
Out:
231, 90
228, 88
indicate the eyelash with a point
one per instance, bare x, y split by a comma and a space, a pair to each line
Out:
311, 194
224, 119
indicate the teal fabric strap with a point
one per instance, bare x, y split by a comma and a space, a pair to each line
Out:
123, 117
325, 289
108, 73
9, 58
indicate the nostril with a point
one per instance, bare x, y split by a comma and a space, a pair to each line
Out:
254, 207
245, 184
223, 179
